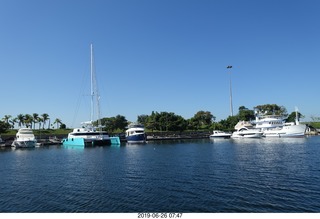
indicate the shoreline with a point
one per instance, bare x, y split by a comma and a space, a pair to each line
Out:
47, 140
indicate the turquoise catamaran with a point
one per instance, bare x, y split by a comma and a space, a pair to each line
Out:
89, 135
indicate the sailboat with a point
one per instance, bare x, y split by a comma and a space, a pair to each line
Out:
89, 135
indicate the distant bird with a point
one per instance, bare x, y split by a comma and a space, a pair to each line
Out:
229, 66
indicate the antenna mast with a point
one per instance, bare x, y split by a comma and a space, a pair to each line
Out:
231, 106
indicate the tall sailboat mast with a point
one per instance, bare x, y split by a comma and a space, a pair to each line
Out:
94, 91
91, 80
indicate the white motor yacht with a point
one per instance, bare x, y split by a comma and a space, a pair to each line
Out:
24, 139
220, 134
246, 130
275, 126
135, 133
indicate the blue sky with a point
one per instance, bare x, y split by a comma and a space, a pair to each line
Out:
158, 55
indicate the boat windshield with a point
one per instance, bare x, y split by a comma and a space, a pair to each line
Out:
26, 132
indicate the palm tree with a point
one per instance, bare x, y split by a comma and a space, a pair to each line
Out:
20, 119
28, 120
58, 122
13, 122
6, 119
35, 117
45, 117
39, 120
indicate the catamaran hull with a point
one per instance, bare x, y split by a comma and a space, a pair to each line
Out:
81, 142
85, 142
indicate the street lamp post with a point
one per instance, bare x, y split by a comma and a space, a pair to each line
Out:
231, 106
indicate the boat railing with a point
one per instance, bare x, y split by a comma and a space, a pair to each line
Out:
270, 116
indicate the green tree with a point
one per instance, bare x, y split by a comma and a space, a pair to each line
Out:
108, 123
271, 109
177, 123
292, 117
114, 123
20, 119
58, 122
153, 121
201, 120
315, 121
229, 123
121, 122
35, 117
13, 122
45, 118
7, 120
245, 114
4, 126
39, 121
28, 120
172, 122
143, 119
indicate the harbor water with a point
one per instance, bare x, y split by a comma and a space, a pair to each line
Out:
243, 175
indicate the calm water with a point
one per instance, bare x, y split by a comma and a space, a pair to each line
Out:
253, 175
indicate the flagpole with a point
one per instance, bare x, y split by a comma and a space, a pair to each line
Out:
231, 106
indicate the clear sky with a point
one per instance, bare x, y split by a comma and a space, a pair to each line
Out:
158, 55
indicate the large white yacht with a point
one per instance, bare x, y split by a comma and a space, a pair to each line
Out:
24, 139
275, 126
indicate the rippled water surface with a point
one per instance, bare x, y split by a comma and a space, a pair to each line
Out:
253, 175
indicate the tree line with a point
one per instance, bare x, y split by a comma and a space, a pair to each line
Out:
29, 121
156, 121
201, 121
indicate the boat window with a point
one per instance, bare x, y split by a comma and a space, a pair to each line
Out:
90, 133
26, 132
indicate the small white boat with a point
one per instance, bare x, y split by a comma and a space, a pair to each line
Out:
54, 140
220, 134
246, 130
24, 139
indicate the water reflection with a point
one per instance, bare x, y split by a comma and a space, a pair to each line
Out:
226, 175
